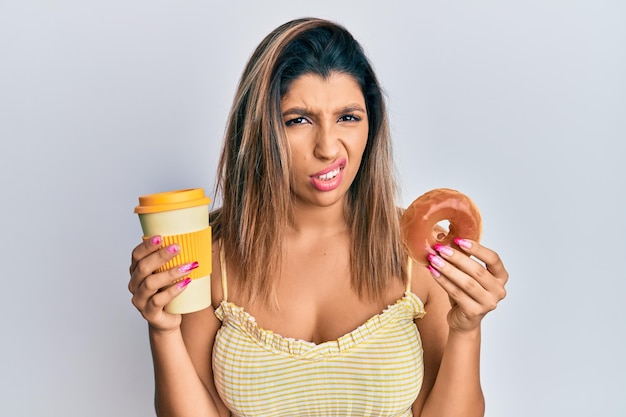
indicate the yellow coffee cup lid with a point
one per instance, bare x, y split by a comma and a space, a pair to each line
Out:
171, 200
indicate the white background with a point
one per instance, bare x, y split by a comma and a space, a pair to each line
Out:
521, 105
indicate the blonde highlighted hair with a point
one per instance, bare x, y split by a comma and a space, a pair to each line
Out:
254, 166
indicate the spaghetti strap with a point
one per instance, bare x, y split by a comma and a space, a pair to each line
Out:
409, 270
223, 270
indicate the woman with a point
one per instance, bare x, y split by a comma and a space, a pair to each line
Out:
317, 309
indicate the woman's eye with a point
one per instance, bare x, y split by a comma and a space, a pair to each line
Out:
349, 118
296, 121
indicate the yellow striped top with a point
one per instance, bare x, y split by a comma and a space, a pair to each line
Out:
374, 370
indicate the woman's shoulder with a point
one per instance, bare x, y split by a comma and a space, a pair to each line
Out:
421, 281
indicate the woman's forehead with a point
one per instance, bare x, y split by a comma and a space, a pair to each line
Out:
314, 90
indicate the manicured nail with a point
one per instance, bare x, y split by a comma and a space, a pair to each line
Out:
156, 240
173, 248
444, 250
466, 244
184, 283
433, 271
435, 260
188, 267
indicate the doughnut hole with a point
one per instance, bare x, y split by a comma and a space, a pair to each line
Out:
441, 230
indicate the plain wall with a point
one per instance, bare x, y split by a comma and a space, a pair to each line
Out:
521, 105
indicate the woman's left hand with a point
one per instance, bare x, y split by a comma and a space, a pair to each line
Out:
474, 289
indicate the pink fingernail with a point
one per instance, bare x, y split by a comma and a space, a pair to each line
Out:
466, 244
433, 271
435, 260
184, 283
188, 267
444, 250
156, 240
173, 248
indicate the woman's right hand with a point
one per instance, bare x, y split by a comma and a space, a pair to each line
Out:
153, 290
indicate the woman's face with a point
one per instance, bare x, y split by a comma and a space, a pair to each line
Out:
326, 125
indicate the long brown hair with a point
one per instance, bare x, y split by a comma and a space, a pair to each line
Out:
254, 165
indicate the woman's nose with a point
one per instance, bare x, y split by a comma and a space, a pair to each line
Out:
327, 143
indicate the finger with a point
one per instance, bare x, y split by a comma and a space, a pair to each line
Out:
460, 286
145, 248
151, 262
154, 283
158, 301
491, 259
152, 309
470, 266
469, 275
457, 295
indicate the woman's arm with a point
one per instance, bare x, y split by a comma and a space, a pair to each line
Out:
457, 295
199, 330
182, 386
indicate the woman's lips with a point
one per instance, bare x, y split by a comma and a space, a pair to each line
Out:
329, 178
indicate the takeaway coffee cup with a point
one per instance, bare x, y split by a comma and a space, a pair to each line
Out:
182, 217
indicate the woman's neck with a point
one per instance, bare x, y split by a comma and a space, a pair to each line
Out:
308, 219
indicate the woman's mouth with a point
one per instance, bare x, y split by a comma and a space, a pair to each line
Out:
330, 178
329, 175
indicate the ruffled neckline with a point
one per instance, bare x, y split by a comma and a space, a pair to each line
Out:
408, 306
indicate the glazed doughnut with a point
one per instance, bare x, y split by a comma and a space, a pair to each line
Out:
419, 220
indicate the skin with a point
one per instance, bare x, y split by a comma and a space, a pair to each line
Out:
326, 123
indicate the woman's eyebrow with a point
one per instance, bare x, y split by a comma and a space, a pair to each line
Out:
296, 110
352, 108
304, 111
